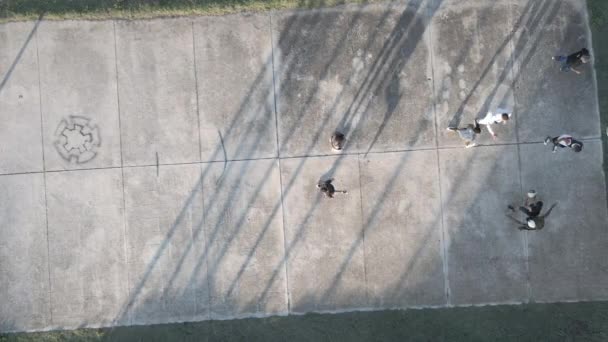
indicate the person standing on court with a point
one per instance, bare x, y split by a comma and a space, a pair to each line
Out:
337, 141
499, 116
532, 209
571, 62
467, 133
328, 189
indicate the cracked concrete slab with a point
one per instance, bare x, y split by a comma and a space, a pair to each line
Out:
244, 230
24, 280
566, 257
156, 80
486, 254
78, 78
165, 240
474, 76
175, 234
402, 224
20, 134
235, 87
364, 71
324, 237
86, 247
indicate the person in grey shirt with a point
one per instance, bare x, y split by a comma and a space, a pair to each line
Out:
467, 133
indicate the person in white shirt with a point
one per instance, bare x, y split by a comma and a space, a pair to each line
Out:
496, 117
563, 141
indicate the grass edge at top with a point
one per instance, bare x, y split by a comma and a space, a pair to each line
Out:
149, 12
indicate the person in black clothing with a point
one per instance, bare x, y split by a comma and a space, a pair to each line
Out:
534, 220
574, 60
328, 189
337, 141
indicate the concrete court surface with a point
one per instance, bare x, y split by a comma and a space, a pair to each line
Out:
164, 170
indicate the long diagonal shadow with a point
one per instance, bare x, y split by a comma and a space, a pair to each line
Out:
367, 225
126, 307
11, 68
239, 225
299, 233
171, 232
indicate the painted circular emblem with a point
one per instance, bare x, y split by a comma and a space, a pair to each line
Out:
77, 139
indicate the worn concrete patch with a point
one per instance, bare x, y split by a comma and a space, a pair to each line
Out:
86, 247
473, 76
235, 84
164, 217
24, 280
20, 135
157, 92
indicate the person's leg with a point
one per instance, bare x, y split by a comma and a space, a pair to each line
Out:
525, 211
535, 208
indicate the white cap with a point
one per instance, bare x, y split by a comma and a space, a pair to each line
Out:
531, 223
532, 193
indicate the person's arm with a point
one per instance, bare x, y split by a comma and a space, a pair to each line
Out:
489, 127
549, 211
516, 220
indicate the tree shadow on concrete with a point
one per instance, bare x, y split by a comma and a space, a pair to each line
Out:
15, 62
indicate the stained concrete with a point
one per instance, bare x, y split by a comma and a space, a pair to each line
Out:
24, 283
158, 108
139, 239
474, 76
364, 73
486, 255
78, 78
20, 134
86, 247
567, 257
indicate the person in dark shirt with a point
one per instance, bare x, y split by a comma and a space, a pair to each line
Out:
328, 189
534, 220
574, 60
337, 141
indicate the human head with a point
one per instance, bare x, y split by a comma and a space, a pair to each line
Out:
477, 130
531, 222
337, 140
585, 56
577, 147
505, 116
532, 193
